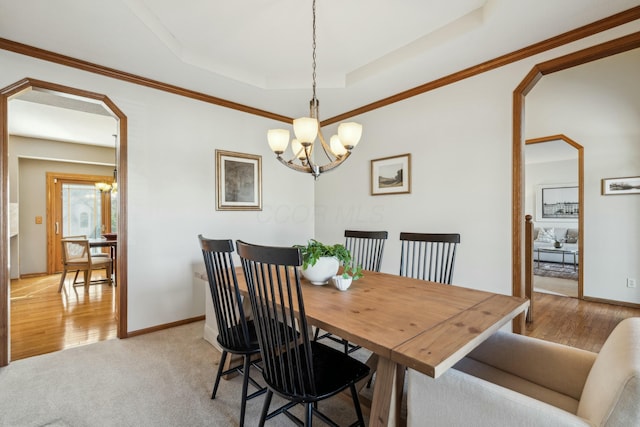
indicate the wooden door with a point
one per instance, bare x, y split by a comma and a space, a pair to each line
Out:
75, 207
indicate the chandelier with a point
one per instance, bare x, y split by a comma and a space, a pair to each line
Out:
307, 129
105, 187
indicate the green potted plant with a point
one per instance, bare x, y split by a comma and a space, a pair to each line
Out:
321, 262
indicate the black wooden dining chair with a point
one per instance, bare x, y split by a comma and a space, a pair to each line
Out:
303, 371
366, 248
236, 334
428, 256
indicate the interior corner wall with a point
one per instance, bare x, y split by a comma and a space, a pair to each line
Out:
460, 140
172, 187
598, 106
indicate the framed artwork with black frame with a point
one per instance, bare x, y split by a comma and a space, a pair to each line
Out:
557, 202
238, 181
391, 175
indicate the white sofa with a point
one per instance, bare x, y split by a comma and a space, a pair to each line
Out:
547, 236
513, 380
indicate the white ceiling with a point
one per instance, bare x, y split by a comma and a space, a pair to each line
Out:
258, 52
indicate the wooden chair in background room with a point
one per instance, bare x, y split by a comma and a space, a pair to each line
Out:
303, 371
76, 256
94, 251
428, 256
366, 249
236, 334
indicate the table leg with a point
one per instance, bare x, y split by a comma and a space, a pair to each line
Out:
383, 413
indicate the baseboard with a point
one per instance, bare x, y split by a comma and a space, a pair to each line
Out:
612, 302
164, 326
29, 275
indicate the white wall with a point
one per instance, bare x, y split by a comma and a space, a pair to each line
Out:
459, 140
598, 106
171, 164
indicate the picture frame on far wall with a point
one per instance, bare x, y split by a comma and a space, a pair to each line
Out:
238, 181
626, 185
557, 202
391, 175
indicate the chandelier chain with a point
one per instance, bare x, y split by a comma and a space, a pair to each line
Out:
314, 51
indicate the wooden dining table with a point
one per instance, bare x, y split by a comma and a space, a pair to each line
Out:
406, 322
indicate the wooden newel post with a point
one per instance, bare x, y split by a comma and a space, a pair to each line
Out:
528, 265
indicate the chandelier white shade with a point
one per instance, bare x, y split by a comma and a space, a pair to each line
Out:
349, 134
307, 130
278, 140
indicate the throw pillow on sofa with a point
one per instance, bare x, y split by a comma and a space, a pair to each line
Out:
572, 235
546, 235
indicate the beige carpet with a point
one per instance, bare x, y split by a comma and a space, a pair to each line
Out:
159, 379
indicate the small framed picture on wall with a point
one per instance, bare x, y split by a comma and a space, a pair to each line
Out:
628, 185
391, 175
239, 181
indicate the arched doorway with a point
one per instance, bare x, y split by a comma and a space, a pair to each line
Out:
603, 50
121, 291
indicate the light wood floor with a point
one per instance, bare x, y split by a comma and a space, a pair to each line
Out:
44, 321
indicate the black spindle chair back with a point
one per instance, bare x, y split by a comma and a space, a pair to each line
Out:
428, 256
366, 248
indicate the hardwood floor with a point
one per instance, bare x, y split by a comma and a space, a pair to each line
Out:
44, 321
575, 322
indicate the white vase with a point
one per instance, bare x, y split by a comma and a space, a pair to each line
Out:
342, 283
320, 273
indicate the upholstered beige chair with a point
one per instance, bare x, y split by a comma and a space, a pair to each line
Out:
513, 380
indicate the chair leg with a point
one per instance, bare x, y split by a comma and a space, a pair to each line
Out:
109, 273
223, 359
245, 385
308, 414
265, 407
87, 280
356, 403
64, 274
75, 277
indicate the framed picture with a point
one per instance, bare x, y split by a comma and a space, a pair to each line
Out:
557, 202
629, 185
391, 175
239, 181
